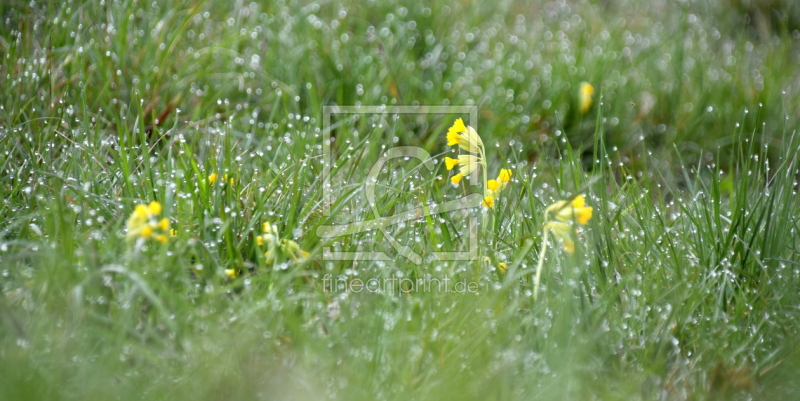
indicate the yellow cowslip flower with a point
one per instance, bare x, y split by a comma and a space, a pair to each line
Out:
493, 185
467, 163
564, 232
488, 202
173, 232
154, 207
276, 246
505, 175
465, 137
565, 212
585, 93
502, 267
214, 176
456, 179
231, 273
575, 209
144, 223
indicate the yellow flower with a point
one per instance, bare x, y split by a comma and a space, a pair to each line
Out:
450, 162
493, 185
259, 241
212, 178
468, 164
155, 207
571, 210
585, 97
465, 137
173, 232
231, 273
502, 267
488, 202
505, 175
144, 223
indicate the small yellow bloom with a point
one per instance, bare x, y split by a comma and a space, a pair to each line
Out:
502, 267
450, 162
212, 178
259, 241
173, 232
146, 232
505, 175
488, 202
572, 210
493, 185
231, 273
465, 137
585, 97
155, 207
162, 238
164, 224
141, 211
456, 179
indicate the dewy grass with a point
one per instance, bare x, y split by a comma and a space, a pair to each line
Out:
677, 121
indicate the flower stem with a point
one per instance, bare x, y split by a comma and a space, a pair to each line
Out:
539, 265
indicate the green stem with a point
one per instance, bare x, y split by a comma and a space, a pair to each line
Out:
539, 265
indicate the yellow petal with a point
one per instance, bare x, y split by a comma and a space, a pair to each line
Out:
155, 207
259, 241
584, 214
585, 97
458, 126
456, 179
141, 211
488, 202
162, 238
450, 162
502, 267
231, 273
504, 176
453, 138
212, 178
579, 201
146, 232
164, 224
493, 185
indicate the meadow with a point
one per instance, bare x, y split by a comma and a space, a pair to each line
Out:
145, 145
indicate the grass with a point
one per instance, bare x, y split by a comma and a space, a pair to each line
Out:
684, 284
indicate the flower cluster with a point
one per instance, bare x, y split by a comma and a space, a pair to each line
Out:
565, 212
213, 178
144, 223
276, 245
561, 218
468, 139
